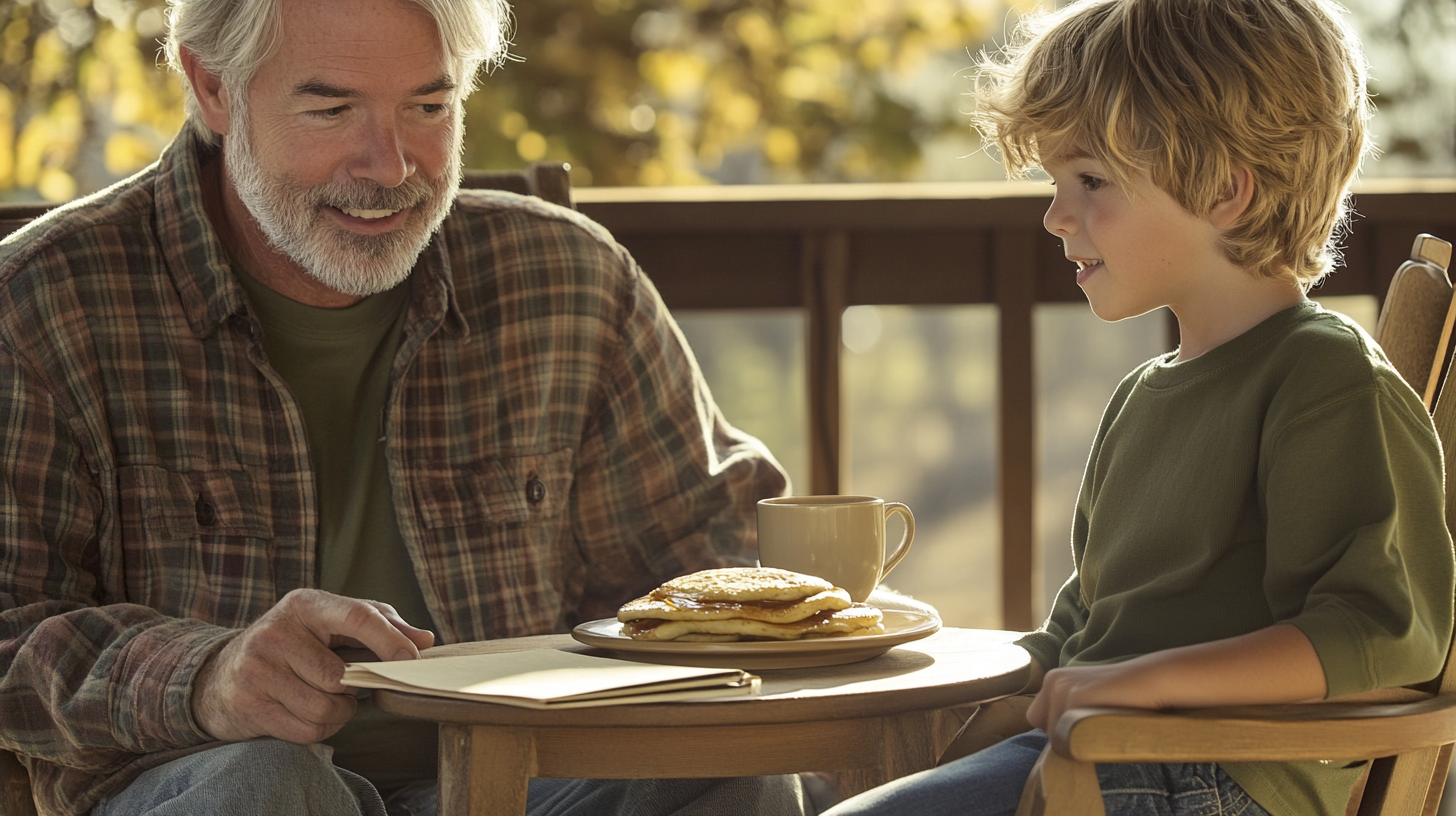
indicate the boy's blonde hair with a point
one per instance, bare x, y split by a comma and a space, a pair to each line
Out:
1187, 90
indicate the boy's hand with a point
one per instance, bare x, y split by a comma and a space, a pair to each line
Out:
1272, 665
1118, 685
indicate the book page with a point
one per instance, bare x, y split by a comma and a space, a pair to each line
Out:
548, 678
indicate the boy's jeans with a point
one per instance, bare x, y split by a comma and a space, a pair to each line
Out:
989, 783
268, 777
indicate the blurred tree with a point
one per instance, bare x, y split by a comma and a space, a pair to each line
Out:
644, 91
687, 91
82, 102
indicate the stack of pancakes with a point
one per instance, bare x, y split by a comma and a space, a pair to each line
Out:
747, 603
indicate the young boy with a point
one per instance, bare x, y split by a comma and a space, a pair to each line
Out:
1261, 518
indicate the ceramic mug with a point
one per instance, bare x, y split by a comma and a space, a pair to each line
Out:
838, 538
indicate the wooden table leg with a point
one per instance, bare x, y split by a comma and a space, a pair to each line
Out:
485, 770
908, 746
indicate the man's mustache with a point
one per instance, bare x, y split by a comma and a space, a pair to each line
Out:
369, 195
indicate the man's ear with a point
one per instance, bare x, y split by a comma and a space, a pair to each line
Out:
1236, 198
207, 88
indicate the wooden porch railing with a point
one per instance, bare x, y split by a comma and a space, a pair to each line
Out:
822, 248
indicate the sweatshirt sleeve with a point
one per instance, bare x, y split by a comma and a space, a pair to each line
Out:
1359, 557
1067, 618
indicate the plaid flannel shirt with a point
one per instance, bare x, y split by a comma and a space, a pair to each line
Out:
552, 447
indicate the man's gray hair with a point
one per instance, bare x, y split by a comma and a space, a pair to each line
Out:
233, 38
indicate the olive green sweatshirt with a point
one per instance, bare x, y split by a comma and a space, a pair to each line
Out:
1289, 475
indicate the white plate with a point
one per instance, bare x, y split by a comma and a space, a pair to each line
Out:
900, 627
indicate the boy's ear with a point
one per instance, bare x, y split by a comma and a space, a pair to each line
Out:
211, 95
1236, 198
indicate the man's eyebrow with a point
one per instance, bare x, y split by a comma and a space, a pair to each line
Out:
443, 84
316, 87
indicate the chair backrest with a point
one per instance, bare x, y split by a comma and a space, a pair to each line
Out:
543, 180
1416, 318
546, 180
1415, 332
15, 216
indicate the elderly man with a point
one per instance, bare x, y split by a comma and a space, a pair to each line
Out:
286, 369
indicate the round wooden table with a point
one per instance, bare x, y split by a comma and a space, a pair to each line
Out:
870, 721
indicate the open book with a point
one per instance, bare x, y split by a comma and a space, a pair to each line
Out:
547, 678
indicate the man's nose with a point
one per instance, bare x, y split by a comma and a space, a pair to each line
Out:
382, 156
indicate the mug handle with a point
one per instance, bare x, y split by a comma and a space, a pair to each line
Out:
899, 509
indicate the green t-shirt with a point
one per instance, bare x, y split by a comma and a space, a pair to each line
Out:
1289, 475
336, 363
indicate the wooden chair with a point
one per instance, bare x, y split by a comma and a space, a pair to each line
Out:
1407, 733
543, 180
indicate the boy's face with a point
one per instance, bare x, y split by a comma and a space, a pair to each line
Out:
1136, 249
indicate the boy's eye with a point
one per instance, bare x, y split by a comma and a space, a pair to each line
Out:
1091, 183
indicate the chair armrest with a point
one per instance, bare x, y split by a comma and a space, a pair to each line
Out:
1282, 733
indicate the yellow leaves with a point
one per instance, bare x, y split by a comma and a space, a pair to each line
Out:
781, 146
677, 75
50, 61
126, 153
12, 41
47, 144
101, 94
513, 124
56, 185
874, 53
802, 29
757, 32
630, 91
735, 112
531, 146
7, 139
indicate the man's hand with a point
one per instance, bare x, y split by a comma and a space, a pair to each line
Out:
280, 679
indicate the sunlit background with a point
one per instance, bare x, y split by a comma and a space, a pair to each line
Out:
673, 92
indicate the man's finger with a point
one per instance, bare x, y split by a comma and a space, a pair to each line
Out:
332, 617
422, 638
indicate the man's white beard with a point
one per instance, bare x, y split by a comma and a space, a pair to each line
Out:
291, 217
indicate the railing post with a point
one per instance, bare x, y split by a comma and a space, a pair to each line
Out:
1014, 278
825, 265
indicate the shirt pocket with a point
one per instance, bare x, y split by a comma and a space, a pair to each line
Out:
197, 543
499, 492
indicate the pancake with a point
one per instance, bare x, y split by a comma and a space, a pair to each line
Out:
858, 619
743, 584
746, 603
675, 607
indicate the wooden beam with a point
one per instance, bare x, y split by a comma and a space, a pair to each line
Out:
1014, 275
825, 276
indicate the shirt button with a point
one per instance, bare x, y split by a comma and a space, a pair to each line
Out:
535, 489
206, 513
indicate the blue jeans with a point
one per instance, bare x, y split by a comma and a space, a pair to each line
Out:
266, 777
989, 783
